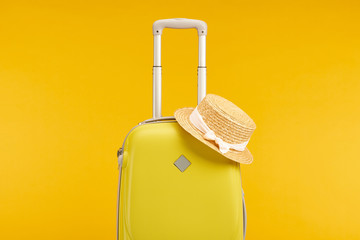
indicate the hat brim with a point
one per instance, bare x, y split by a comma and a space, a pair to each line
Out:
182, 117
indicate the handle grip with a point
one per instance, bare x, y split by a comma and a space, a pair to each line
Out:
180, 23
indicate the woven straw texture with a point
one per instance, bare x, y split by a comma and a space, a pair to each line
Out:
228, 121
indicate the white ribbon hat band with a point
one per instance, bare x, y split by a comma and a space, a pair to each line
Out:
197, 120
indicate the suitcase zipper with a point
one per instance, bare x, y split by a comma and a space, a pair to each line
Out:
120, 157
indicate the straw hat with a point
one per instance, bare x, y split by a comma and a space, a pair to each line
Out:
221, 125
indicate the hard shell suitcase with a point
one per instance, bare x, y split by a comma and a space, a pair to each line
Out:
172, 186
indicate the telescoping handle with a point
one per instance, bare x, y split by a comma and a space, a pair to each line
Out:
178, 23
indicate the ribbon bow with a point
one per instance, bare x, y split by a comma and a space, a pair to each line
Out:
223, 146
197, 120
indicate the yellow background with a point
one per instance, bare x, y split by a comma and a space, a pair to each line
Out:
75, 77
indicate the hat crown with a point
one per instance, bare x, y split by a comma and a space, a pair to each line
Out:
228, 121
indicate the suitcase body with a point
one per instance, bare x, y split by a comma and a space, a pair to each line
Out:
173, 187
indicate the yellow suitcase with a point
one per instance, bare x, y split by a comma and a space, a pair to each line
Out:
172, 186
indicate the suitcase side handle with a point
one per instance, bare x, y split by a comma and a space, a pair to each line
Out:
178, 23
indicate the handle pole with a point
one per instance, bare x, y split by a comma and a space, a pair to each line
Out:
157, 77
202, 69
